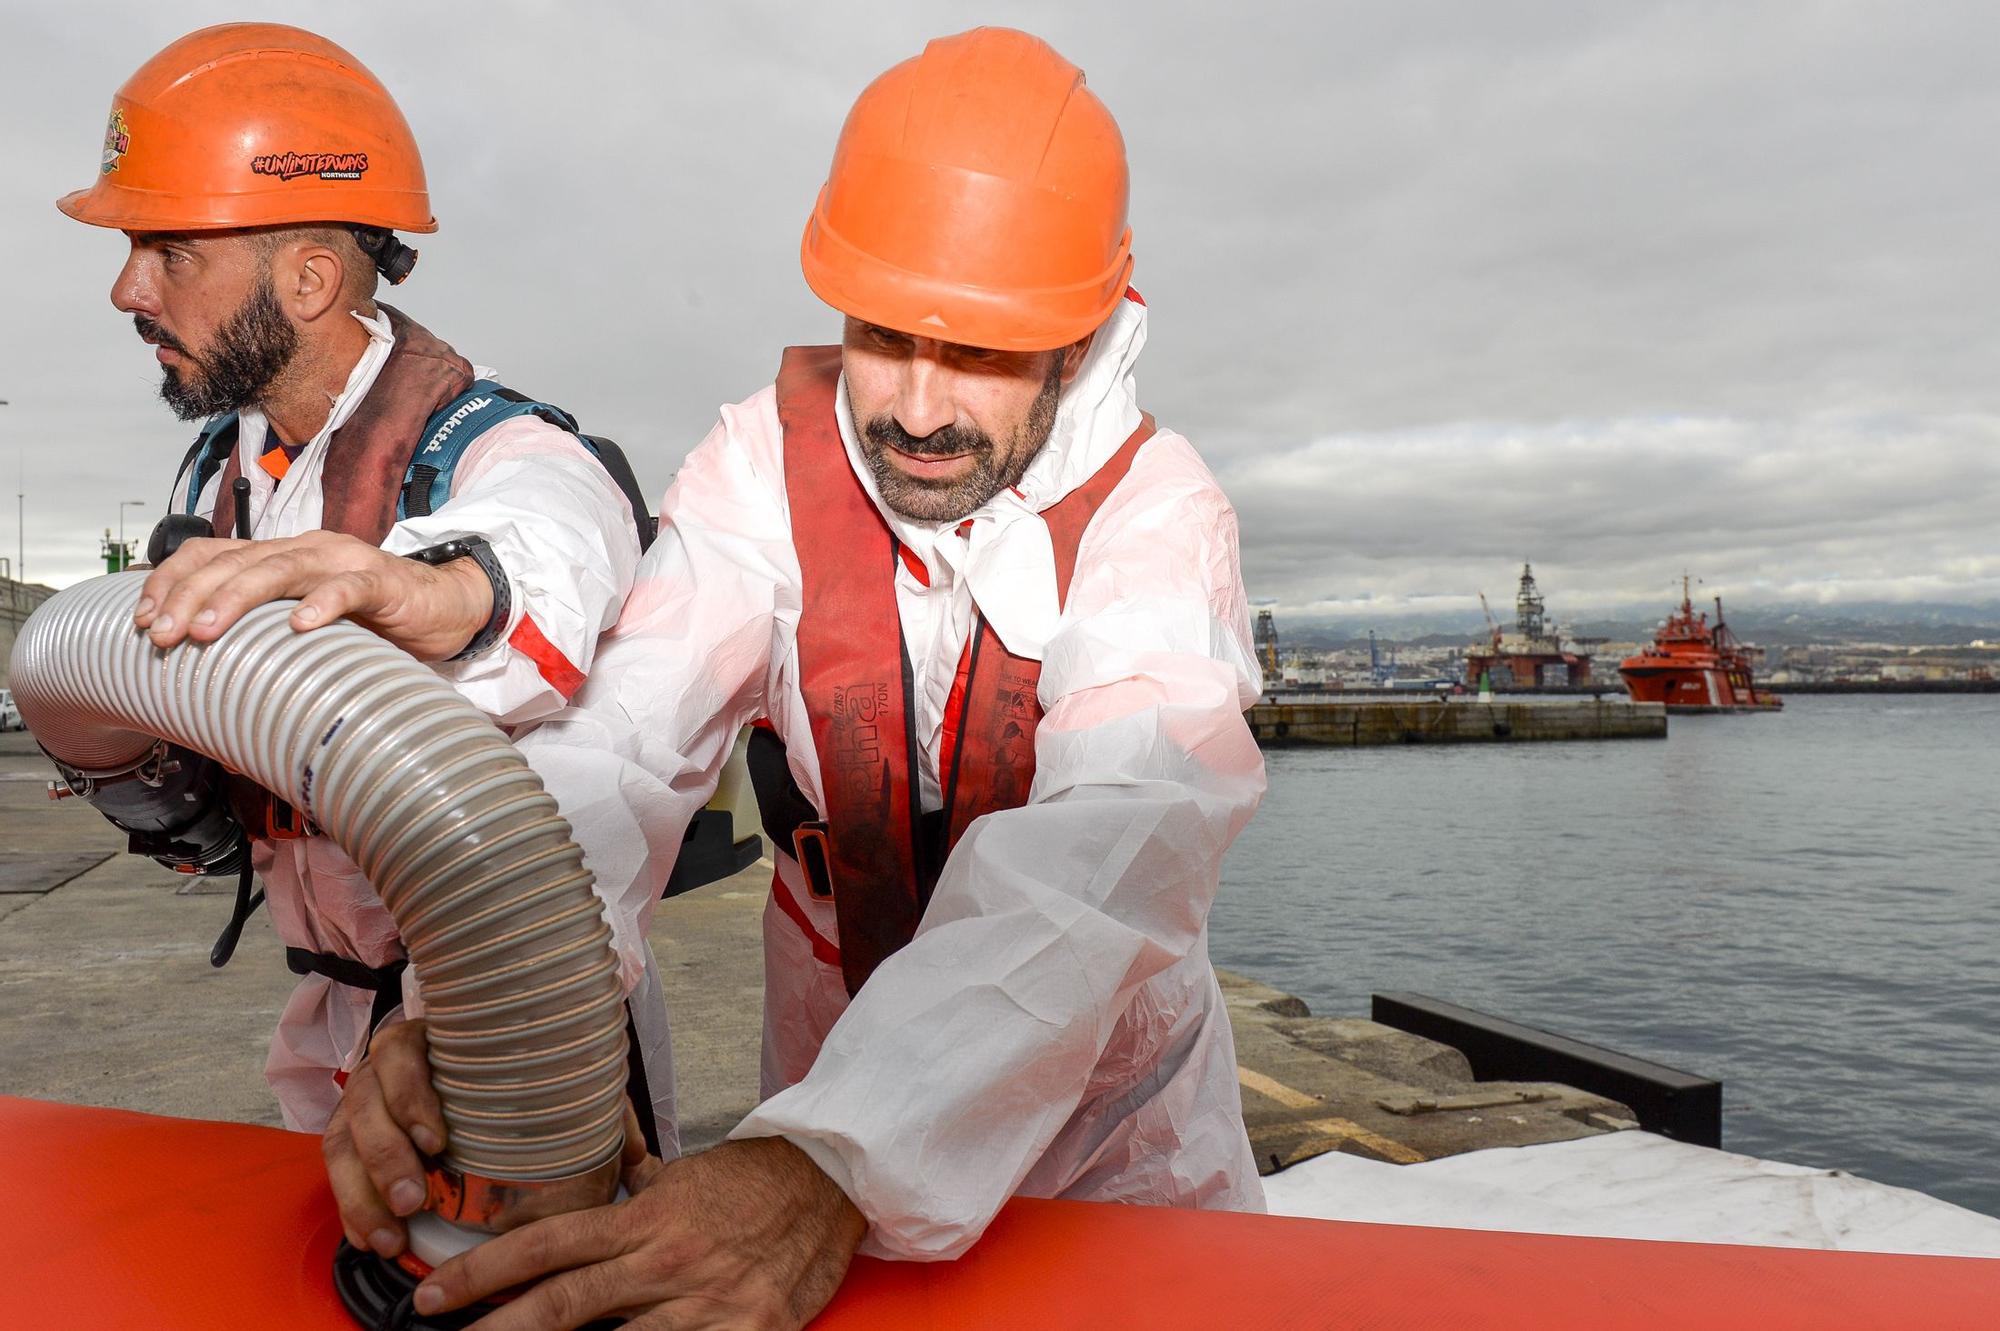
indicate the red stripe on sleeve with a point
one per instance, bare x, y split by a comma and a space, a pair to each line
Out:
527, 639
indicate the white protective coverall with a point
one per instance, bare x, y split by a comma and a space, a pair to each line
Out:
562, 530
1054, 1028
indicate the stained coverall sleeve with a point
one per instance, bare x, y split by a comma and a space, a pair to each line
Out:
968, 1050
641, 747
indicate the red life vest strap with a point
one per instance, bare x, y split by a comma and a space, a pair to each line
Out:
854, 670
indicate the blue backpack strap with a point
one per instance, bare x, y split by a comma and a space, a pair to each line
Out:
205, 457
427, 483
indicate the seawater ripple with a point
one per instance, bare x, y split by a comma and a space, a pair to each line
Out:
1806, 905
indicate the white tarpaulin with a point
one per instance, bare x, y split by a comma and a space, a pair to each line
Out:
1635, 1185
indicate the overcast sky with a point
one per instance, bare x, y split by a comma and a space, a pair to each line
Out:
1434, 287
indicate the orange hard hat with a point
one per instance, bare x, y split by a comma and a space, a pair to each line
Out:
977, 196
254, 124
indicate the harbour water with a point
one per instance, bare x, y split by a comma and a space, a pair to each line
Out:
1806, 905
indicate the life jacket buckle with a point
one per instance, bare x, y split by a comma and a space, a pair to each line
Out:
264, 815
282, 822
814, 852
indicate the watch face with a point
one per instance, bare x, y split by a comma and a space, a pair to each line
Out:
444, 553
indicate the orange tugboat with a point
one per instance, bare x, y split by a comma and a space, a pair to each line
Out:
1695, 666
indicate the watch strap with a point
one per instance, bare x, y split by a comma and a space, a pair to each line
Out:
481, 553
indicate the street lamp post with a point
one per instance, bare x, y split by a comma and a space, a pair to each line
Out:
124, 554
20, 528
20, 538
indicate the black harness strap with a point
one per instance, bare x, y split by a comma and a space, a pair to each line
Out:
239, 915
385, 982
637, 1089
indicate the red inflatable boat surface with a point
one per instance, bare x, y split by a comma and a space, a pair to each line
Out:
117, 1221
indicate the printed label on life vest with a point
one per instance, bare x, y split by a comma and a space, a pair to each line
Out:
856, 735
1010, 769
327, 166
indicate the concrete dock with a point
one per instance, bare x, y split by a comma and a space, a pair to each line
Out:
1462, 720
107, 998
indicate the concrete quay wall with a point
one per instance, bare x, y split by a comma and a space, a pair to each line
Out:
1886, 686
1462, 721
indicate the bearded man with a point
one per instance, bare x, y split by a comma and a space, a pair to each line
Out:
260, 173
993, 622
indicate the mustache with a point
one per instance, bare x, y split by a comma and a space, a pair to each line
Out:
153, 332
951, 440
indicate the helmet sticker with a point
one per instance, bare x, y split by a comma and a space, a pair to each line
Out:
117, 141
327, 166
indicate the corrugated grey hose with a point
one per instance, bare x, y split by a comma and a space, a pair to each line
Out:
510, 947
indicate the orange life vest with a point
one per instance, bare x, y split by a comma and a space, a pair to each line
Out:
855, 672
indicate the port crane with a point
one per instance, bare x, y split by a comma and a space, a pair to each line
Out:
1379, 670
1492, 627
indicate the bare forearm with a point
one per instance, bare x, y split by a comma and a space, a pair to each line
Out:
430, 612
462, 607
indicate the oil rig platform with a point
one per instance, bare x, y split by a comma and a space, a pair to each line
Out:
1533, 655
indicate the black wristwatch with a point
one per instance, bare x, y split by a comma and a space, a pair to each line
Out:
479, 552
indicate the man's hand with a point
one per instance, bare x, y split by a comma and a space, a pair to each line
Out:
748, 1235
386, 1115
431, 613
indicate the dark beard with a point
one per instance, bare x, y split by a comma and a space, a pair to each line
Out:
949, 501
250, 351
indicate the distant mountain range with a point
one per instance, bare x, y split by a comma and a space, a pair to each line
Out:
1901, 623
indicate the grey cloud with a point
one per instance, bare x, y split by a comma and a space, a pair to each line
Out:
1610, 511
1434, 286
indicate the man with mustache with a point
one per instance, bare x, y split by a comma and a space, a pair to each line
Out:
260, 173
994, 621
